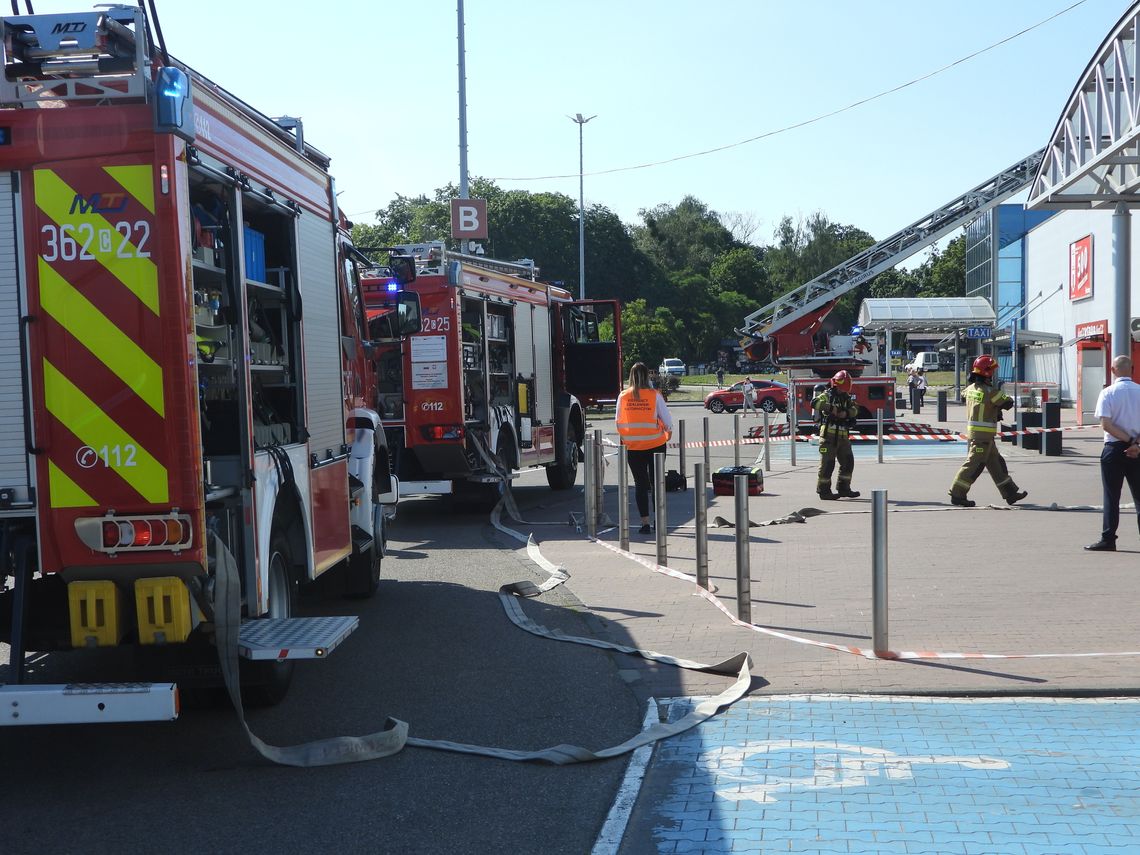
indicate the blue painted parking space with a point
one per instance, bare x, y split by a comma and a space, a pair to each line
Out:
875, 774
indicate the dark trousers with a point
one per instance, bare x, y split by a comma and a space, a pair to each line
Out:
834, 446
641, 466
1116, 467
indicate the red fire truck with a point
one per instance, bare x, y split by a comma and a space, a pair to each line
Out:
498, 377
187, 380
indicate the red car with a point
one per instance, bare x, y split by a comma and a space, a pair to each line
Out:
769, 395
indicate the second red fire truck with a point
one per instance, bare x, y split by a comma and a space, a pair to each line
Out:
499, 376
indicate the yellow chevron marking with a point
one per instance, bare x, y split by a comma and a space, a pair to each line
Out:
107, 342
64, 492
139, 181
117, 448
97, 237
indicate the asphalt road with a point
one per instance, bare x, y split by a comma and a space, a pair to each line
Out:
435, 650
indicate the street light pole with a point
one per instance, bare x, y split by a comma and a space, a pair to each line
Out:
577, 118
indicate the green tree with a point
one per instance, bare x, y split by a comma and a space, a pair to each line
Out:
686, 236
946, 271
648, 335
615, 267
741, 270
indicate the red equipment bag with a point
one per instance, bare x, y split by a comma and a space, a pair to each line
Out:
724, 480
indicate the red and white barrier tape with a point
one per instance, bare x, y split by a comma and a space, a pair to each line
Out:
894, 437
842, 648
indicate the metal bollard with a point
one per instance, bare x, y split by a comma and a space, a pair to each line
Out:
600, 475
591, 510
879, 640
914, 408
623, 498
743, 570
793, 432
708, 464
736, 438
941, 405
767, 448
659, 505
879, 431
700, 516
681, 437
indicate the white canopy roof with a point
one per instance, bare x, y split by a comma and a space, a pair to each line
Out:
925, 314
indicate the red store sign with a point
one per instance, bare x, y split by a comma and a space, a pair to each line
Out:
1093, 329
1080, 269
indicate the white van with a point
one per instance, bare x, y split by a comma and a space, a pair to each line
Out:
927, 361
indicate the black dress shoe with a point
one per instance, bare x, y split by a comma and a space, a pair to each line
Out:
1102, 546
645, 529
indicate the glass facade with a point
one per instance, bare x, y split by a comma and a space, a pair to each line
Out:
980, 257
996, 264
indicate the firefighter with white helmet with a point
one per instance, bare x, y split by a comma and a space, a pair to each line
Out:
836, 410
984, 405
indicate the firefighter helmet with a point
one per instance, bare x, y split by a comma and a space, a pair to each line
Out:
984, 366
841, 381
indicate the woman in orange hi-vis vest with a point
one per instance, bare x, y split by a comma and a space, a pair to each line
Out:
645, 425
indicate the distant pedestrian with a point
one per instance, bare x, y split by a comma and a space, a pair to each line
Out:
1118, 409
749, 397
984, 405
644, 424
720, 377
920, 385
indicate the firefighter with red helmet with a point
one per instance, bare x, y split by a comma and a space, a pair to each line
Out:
836, 410
984, 405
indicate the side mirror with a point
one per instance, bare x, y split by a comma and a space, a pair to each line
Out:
402, 268
408, 313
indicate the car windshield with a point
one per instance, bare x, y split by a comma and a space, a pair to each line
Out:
673, 362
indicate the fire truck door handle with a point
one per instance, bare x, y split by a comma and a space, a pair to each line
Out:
25, 320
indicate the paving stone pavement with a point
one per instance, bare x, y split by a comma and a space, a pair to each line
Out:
994, 579
1011, 581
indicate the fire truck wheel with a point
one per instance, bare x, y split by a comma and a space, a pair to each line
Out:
264, 683
505, 452
562, 474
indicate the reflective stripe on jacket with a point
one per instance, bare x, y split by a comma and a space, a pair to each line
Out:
983, 408
637, 422
835, 411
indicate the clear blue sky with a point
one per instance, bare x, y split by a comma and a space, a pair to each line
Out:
376, 84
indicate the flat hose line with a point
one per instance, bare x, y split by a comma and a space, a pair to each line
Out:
393, 737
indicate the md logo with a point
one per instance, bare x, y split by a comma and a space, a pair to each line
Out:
99, 203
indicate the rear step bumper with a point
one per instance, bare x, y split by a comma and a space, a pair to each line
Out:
87, 703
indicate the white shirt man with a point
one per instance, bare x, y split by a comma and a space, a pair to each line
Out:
1118, 409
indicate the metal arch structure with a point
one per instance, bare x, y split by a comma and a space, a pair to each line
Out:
1093, 157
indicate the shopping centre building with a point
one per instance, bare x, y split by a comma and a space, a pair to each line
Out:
1059, 271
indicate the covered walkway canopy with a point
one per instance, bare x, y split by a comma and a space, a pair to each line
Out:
925, 314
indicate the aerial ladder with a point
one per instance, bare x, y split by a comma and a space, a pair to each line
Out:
783, 332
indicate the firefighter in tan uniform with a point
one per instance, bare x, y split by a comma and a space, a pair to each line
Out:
836, 411
984, 405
